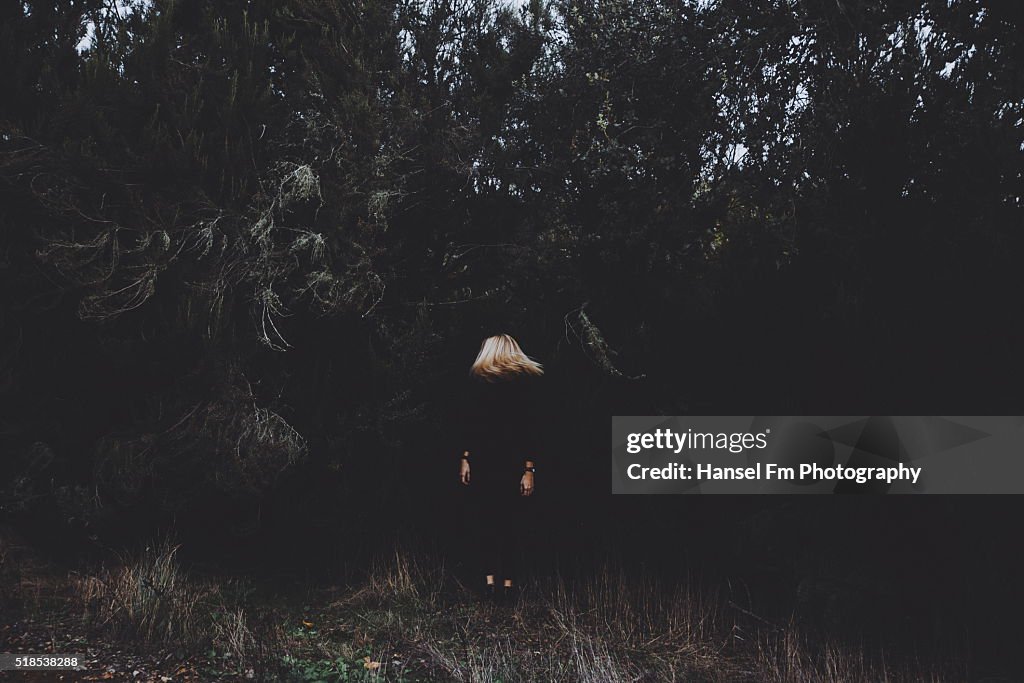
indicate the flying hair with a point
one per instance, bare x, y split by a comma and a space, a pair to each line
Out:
501, 358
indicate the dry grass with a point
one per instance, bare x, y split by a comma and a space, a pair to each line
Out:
612, 627
407, 620
147, 599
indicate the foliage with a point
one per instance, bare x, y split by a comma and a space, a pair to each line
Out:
245, 242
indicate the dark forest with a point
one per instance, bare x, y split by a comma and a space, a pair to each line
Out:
249, 249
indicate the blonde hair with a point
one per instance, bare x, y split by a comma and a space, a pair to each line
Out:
500, 358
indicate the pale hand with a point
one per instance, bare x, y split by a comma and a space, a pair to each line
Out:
526, 484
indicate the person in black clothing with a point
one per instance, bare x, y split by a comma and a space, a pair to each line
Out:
500, 428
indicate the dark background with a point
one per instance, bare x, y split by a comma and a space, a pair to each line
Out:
248, 251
